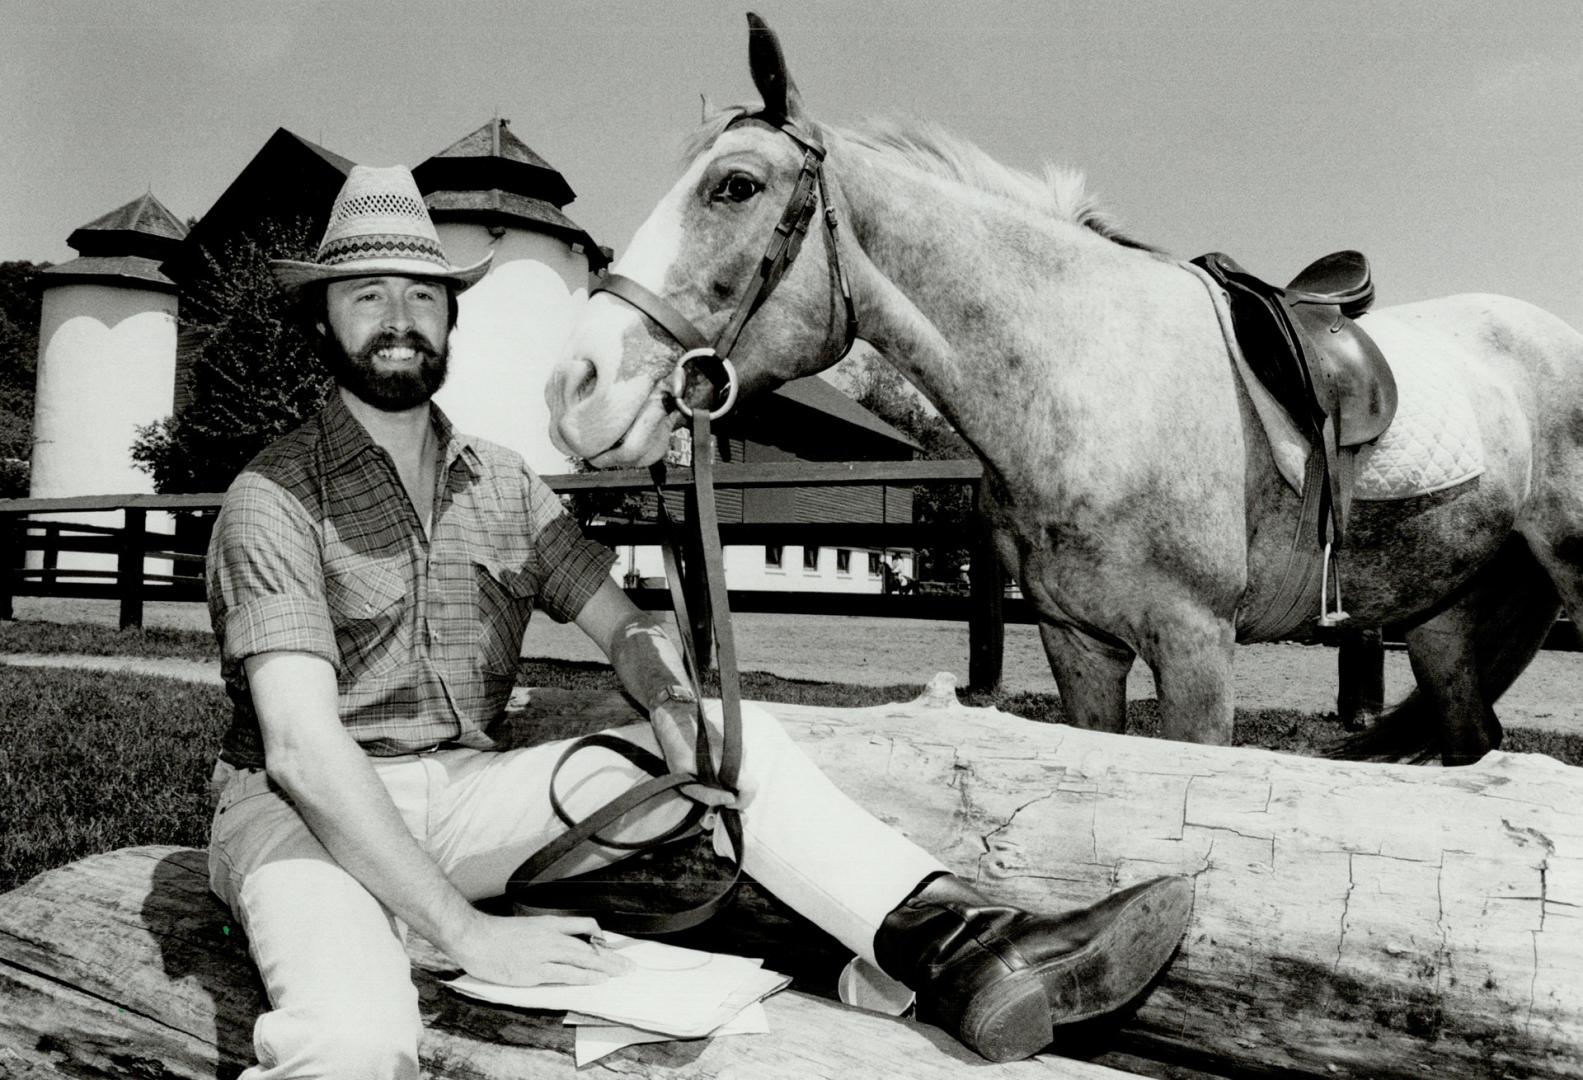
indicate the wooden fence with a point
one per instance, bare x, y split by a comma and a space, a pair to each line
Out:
986, 608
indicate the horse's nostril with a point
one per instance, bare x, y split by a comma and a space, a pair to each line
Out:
585, 385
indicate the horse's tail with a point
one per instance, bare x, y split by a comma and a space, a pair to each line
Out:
1515, 605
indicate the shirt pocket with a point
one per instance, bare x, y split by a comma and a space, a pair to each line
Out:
366, 605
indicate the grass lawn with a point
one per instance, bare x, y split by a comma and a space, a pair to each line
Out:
38, 636
93, 761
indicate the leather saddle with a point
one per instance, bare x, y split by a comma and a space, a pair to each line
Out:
1326, 372
1301, 342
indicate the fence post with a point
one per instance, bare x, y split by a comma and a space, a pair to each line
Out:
986, 623
1360, 674
49, 560
10, 558
129, 567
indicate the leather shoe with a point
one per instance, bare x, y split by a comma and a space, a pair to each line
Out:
1002, 979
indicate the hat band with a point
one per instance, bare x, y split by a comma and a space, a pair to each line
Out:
380, 246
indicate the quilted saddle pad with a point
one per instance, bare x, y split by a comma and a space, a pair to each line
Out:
1432, 444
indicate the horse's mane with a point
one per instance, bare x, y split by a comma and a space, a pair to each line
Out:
1059, 192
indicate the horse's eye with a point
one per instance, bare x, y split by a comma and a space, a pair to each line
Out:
737, 188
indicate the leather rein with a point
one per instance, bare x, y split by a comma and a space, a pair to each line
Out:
714, 363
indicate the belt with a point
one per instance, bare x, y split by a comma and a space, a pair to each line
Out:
430, 749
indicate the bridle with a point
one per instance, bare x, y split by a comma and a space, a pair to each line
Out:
807, 194
526, 882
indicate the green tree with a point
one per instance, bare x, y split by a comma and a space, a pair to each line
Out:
255, 375
19, 326
880, 389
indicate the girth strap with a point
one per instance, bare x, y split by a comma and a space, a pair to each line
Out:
1305, 582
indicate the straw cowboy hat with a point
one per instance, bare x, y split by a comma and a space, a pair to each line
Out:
379, 225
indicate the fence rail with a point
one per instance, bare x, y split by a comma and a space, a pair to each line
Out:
986, 608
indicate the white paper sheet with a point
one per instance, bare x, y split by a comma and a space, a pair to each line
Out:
682, 993
597, 1038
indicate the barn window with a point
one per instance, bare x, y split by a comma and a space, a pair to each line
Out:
810, 558
843, 561
772, 556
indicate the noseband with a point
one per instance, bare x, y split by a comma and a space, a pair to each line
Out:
714, 359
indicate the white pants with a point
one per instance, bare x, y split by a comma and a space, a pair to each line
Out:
332, 959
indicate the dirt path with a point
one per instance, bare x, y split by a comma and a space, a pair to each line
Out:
879, 652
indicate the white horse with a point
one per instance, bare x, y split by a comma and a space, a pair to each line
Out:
1131, 489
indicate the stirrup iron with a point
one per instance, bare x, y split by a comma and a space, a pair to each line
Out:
1330, 619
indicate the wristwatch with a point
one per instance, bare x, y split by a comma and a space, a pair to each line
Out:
675, 692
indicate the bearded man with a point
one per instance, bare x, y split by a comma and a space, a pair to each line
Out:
370, 577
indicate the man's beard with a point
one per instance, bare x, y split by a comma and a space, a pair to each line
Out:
392, 391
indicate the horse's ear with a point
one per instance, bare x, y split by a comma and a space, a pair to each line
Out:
768, 64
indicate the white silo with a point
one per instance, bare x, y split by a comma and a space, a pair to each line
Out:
489, 192
106, 362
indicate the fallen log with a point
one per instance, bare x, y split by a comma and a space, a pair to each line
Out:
123, 965
1350, 919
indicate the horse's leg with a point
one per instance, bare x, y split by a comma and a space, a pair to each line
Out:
1518, 601
1192, 677
1445, 664
1562, 559
1091, 675
1466, 657
1512, 604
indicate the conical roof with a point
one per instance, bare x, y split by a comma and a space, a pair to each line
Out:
494, 139
493, 158
491, 177
130, 243
141, 227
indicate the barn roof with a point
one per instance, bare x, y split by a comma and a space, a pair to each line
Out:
817, 422
288, 179
814, 393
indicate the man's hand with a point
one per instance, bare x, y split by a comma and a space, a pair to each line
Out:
674, 726
531, 950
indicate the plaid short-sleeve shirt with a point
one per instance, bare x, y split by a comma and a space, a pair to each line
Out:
317, 549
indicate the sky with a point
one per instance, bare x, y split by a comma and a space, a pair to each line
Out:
1444, 139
